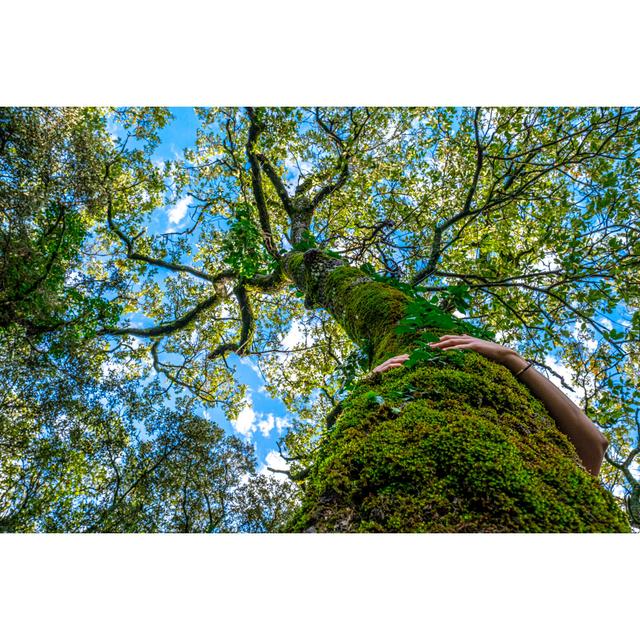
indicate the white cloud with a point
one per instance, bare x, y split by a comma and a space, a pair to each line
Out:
267, 424
249, 421
566, 373
245, 423
282, 424
296, 336
589, 343
606, 322
253, 366
178, 211
274, 460
292, 168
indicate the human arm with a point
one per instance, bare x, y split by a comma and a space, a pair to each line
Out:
588, 441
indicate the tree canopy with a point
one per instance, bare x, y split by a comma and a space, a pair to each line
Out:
117, 331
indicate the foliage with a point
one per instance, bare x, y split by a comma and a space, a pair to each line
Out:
242, 248
354, 365
424, 316
50, 166
85, 449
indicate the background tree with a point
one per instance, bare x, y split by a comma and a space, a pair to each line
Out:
338, 220
82, 446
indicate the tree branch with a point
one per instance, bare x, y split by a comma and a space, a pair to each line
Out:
277, 183
256, 182
167, 327
129, 244
329, 130
248, 320
267, 283
243, 347
328, 189
436, 250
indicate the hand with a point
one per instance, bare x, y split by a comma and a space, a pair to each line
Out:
391, 363
490, 350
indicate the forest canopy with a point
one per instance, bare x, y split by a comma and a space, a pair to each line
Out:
132, 285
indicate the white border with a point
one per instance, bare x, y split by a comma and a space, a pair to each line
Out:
407, 52
291, 586
335, 52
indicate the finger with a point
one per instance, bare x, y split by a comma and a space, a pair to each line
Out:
386, 367
451, 341
460, 346
393, 362
396, 359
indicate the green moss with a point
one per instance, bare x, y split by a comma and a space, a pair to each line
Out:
451, 448
367, 310
364, 308
293, 266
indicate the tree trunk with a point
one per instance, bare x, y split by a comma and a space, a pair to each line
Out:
457, 445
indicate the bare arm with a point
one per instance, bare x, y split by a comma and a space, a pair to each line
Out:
571, 420
589, 443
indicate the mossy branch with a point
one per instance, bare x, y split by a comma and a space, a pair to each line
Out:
255, 128
277, 183
243, 346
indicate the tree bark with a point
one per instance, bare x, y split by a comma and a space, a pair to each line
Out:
366, 309
457, 445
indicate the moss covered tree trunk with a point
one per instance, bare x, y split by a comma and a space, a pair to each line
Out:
449, 446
